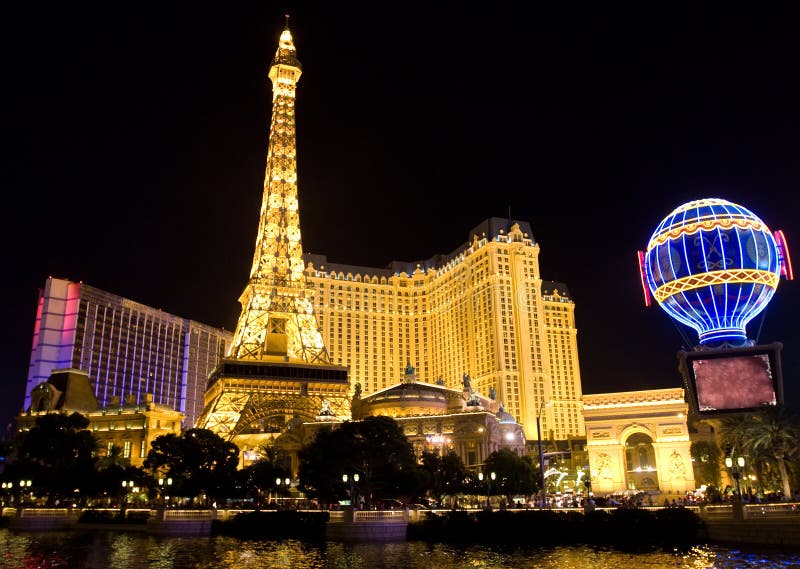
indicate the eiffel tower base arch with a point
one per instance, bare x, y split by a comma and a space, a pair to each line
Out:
261, 397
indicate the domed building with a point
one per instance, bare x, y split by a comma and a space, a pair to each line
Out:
436, 417
433, 417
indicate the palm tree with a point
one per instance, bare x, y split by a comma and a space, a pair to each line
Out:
735, 433
776, 430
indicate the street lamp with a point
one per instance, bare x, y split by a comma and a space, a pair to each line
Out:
6, 486
541, 454
22, 485
161, 483
489, 479
127, 486
278, 481
352, 479
735, 471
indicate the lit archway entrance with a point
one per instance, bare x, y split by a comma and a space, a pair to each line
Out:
640, 463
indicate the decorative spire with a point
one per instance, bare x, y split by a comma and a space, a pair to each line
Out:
277, 310
286, 54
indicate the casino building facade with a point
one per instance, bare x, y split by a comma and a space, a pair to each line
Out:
482, 310
126, 348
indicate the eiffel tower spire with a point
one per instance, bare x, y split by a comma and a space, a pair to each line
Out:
277, 318
277, 369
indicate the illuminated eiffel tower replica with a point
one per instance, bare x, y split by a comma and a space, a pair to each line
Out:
277, 368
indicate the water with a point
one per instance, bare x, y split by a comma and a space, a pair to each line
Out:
118, 550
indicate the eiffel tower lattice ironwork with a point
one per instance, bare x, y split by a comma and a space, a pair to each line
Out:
277, 350
277, 311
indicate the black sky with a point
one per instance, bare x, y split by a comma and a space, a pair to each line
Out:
134, 137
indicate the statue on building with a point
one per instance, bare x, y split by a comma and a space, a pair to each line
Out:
466, 381
409, 369
326, 408
493, 394
604, 466
677, 468
440, 380
357, 390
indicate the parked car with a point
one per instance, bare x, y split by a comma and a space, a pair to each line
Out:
391, 504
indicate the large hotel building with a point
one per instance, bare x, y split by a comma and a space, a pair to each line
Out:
127, 349
482, 310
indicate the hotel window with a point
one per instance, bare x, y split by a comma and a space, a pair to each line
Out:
126, 449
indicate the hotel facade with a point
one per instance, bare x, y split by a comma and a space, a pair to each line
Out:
482, 310
127, 349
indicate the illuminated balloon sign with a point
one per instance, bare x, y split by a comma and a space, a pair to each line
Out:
713, 265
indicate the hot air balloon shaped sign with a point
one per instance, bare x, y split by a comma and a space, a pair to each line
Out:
713, 266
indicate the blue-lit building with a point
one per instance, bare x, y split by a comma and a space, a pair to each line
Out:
127, 349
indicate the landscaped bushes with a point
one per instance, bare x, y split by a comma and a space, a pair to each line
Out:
90, 516
629, 529
274, 524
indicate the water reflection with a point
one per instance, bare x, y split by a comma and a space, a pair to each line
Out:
113, 550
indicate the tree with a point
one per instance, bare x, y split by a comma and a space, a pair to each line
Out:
199, 462
443, 475
735, 437
259, 478
112, 469
776, 430
376, 449
322, 463
515, 475
58, 455
735, 432
384, 458
706, 460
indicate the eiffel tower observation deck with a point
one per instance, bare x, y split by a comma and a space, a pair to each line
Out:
277, 368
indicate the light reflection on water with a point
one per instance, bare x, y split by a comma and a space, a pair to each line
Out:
113, 550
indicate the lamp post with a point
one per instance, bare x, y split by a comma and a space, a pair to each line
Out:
8, 488
22, 485
127, 486
286, 483
161, 483
353, 479
541, 454
735, 471
491, 476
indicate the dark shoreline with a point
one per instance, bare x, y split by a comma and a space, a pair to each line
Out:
629, 530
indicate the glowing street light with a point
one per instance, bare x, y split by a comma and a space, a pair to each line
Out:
735, 471
353, 479
162, 482
489, 479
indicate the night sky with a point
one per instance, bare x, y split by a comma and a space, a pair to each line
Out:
134, 145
